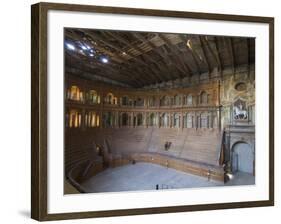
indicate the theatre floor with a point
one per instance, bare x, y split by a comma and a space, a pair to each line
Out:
145, 176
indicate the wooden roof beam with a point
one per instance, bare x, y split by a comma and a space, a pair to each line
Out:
179, 52
169, 61
214, 53
248, 55
179, 64
98, 47
175, 49
190, 52
163, 69
75, 36
204, 54
153, 46
105, 74
229, 44
217, 52
135, 58
233, 53
100, 39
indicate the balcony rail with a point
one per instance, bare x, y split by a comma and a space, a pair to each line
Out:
87, 102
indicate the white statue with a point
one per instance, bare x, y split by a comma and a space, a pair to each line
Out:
239, 113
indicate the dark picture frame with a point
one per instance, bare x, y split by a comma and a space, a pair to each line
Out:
39, 106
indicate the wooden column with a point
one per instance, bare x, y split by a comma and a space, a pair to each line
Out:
181, 123
219, 118
170, 120
83, 119
211, 120
117, 119
101, 119
196, 120
145, 119
132, 119
158, 120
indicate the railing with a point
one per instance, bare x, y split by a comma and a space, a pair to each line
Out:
221, 148
72, 181
163, 187
157, 106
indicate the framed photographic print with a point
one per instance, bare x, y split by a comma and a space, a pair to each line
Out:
138, 111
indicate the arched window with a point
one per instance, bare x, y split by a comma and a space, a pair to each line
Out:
189, 100
204, 121
93, 119
152, 101
139, 102
242, 157
139, 119
93, 97
110, 99
164, 101
124, 119
98, 120
152, 120
125, 101
75, 94
164, 120
177, 100
184, 100
74, 119
204, 98
189, 120
176, 120
185, 120
108, 119
90, 119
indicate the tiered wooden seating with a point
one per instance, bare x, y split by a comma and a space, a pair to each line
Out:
195, 151
78, 147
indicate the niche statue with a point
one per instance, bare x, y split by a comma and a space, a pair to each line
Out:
239, 110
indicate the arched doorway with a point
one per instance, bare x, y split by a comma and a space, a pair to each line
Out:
242, 158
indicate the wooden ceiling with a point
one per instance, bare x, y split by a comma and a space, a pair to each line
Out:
138, 59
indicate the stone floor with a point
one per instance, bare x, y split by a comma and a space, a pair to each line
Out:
145, 176
241, 178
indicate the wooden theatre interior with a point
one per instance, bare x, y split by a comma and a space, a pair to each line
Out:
182, 101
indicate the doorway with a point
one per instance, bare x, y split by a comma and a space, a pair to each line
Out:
242, 158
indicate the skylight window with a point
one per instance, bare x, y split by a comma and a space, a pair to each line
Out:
83, 47
104, 60
70, 46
